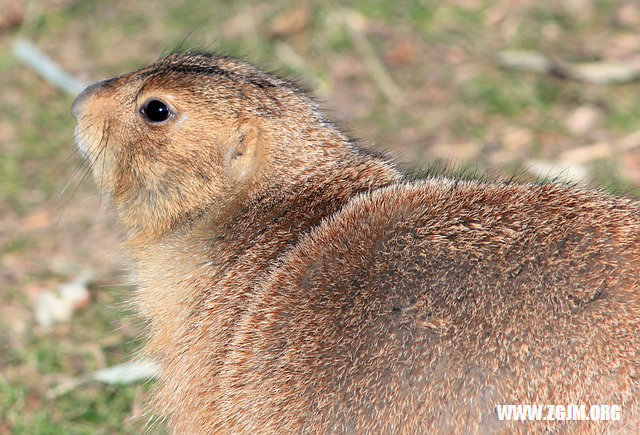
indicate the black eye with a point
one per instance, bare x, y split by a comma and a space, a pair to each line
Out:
156, 111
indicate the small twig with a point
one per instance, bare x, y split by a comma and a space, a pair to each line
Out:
588, 153
591, 72
121, 374
65, 387
601, 150
287, 55
355, 24
559, 171
30, 55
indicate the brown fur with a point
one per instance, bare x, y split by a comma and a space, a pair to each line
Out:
294, 283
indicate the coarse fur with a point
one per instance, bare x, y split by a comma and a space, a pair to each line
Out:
293, 283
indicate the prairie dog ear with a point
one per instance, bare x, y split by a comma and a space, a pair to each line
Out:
249, 141
245, 155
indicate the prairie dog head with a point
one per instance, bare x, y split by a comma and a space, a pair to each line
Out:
189, 133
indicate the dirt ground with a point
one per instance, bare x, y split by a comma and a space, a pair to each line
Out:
425, 81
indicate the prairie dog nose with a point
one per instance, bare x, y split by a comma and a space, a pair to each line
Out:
78, 103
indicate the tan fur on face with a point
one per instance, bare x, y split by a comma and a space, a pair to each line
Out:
294, 283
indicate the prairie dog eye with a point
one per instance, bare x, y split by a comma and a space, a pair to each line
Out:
155, 111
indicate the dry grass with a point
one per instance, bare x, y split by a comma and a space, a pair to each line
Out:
418, 79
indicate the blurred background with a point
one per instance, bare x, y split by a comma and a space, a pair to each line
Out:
527, 87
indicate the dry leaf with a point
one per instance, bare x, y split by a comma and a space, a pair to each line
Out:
560, 171
631, 166
401, 52
127, 373
37, 220
629, 14
583, 120
57, 306
517, 137
589, 153
292, 22
11, 14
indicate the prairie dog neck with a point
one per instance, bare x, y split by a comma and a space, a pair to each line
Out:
332, 176
236, 246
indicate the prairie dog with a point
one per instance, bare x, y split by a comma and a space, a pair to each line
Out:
295, 283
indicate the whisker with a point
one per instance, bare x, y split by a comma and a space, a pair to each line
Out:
74, 150
86, 173
79, 167
101, 150
80, 162
66, 205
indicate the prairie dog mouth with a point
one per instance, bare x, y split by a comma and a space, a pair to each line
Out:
80, 143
